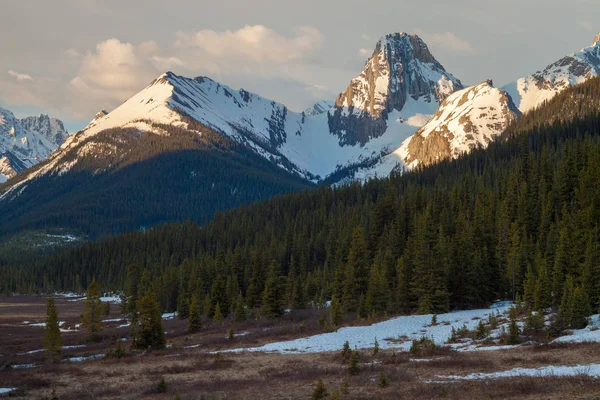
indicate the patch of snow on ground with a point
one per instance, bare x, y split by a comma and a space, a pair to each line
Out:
590, 333
80, 359
396, 333
6, 390
592, 370
170, 315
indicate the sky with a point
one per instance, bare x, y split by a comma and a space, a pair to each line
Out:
72, 58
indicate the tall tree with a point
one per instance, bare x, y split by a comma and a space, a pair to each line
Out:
52, 336
91, 317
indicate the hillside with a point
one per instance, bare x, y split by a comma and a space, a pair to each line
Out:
125, 179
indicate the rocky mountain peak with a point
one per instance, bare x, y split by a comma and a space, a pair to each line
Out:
596, 40
401, 68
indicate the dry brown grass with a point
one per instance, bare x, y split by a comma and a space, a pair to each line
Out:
196, 373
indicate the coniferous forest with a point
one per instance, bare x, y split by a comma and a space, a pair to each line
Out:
520, 219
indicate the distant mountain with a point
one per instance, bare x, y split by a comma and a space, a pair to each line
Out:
25, 142
531, 91
319, 107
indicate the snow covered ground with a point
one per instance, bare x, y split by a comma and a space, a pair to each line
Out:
590, 333
551, 370
394, 333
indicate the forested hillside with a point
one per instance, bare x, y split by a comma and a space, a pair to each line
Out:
125, 180
520, 218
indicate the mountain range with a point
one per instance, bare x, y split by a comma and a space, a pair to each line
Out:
403, 110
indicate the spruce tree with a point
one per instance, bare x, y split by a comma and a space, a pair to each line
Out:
218, 316
240, 309
580, 308
273, 301
149, 332
320, 391
335, 313
52, 336
565, 311
92, 314
543, 295
194, 322
354, 366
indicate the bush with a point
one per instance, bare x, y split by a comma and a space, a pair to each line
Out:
320, 391
161, 386
383, 381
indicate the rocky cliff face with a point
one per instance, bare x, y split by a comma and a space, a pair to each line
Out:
400, 68
25, 142
531, 91
467, 119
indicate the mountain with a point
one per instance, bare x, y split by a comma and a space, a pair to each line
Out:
319, 107
531, 91
401, 75
467, 119
25, 142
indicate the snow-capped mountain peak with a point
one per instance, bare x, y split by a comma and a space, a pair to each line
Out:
401, 68
25, 142
531, 91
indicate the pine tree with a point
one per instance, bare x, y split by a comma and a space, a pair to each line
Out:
580, 308
356, 272
92, 315
383, 381
240, 309
218, 317
273, 301
298, 300
52, 336
320, 391
149, 332
529, 287
378, 295
183, 306
194, 322
543, 295
353, 367
346, 352
565, 311
514, 332
375, 347
335, 313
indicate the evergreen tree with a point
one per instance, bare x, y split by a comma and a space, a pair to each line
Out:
580, 308
565, 311
194, 323
52, 336
92, 316
273, 301
378, 296
149, 333
529, 287
320, 391
240, 309
542, 296
218, 316
354, 367
183, 306
335, 313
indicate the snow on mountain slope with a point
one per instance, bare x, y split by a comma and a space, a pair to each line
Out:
531, 91
319, 107
400, 68
466, 119
25, 142
396, 94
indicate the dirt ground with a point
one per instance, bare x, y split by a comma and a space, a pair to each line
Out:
208, 372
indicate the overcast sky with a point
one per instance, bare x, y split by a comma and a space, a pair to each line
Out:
71, 58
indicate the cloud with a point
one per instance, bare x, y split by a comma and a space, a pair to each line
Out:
365, 53
588, 26
446, 41
20, 77
255, 43
112, 73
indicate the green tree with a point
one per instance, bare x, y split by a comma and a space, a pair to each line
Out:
194, 322
218, 316
336, 316
320, 391
580, 308
240, 309
273, 301
149, 332
91, 317
52, 336
354, 366
543, 295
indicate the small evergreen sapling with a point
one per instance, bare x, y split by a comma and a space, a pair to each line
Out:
320, 391
354, 368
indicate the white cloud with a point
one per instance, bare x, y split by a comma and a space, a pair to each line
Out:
255, 43
20, 77
446, 41
365, 53
588, 26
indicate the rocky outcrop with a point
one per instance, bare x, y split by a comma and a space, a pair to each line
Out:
400, 68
